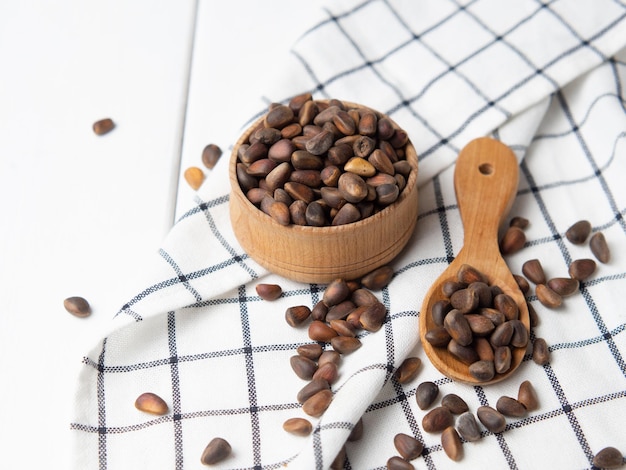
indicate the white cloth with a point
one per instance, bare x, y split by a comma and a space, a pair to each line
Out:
547, 78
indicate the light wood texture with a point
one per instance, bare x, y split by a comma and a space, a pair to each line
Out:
322, 254
82, 214
485, 181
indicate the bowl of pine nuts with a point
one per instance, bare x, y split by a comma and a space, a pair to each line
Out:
323, 189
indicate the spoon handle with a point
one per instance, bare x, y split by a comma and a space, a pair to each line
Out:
485, 182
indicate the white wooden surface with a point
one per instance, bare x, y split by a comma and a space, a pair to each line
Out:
85, 214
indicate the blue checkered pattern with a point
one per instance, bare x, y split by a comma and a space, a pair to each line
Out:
546, 78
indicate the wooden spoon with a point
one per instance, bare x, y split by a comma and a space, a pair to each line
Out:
485, 183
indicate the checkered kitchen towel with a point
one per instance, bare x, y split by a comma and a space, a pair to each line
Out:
545, 77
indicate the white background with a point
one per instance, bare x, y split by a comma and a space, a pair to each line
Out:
84, 214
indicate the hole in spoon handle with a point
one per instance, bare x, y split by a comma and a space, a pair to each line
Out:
485, 169
485, 181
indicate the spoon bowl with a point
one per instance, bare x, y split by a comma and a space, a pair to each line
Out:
485, 183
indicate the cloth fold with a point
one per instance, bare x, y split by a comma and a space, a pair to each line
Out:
546, 79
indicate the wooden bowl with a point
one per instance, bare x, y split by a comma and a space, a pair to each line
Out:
323, 254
